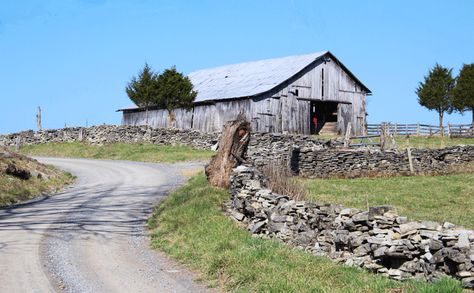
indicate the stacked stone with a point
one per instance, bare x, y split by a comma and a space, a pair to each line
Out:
268, 148
378, 240
111, 134
335, 162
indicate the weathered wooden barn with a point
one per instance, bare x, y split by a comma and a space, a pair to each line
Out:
306, 94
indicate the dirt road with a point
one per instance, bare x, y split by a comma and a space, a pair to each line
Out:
92, 236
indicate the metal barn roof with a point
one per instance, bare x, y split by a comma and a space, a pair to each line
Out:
249, 78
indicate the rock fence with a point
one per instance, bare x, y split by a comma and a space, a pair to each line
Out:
378, 240
111, 134
336, 162
305, 155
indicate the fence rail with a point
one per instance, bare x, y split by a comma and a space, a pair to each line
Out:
452, 130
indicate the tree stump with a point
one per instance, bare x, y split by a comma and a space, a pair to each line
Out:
231, 153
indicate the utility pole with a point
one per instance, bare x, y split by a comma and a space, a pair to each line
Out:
38, 118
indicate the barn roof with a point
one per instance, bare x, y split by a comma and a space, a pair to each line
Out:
252, 78
249, 78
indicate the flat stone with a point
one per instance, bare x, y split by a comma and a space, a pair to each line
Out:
448, 225
409, 227
394, 272
430, 225
380, 210
379, 252
465, 274
401, 220
349, 212
238, 216
360, 217
435, 245
429, 234
257, 226
463, 241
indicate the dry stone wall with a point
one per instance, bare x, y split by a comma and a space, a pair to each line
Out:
335, 162
378, 240
306, 156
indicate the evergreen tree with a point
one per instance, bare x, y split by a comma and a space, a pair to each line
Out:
175, 91
143, 90
463, 94
435, 93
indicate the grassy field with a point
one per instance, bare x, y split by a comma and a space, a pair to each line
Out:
434, 142
190, 226
118, 151
14, 190
439, 198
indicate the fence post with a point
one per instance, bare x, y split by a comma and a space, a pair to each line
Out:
347, 138
383, 135
449, 130
410, 160
418, 129
396, 129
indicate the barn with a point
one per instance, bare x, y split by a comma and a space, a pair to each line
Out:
304, 94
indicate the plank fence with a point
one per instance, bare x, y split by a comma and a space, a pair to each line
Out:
451, 130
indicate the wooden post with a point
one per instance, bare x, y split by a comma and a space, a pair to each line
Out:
410, 160
418, 129
81, 134
18, 143
38, 118
396, 129
347, 138
383, 135
449, 130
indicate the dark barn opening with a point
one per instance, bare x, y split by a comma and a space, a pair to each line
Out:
323, 117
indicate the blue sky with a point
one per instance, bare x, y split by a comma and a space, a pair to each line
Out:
74, 57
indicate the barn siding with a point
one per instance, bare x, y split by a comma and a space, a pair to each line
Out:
279, 110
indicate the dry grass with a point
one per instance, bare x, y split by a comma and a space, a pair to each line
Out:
281, 181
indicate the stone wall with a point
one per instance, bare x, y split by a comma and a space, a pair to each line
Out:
111, 134
336, 162
307, 156
378, 240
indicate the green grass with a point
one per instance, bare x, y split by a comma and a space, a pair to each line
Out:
439, 198
190, 226
118, 151
435, 142
14, 190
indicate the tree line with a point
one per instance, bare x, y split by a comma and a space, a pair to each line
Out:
443, 93
169, 90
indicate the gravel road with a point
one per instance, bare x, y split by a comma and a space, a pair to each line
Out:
92, 236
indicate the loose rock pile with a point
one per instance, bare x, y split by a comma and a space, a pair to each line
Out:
378, 240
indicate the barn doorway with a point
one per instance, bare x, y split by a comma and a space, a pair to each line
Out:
323, 117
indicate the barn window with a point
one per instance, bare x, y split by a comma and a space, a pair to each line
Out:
322, 82
296, 92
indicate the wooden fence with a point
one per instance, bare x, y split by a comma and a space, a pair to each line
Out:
451, 130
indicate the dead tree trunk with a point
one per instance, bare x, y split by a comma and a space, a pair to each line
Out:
232, 148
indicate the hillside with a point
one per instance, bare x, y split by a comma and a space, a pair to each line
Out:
23, 178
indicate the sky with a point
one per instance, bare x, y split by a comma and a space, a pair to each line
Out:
74, 57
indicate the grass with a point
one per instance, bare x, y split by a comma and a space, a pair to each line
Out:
118, 151
435, 142
439, 198
190, 226
14, 190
